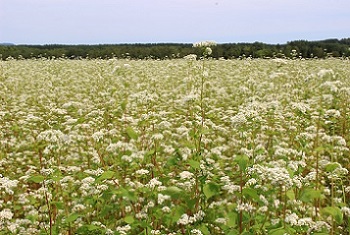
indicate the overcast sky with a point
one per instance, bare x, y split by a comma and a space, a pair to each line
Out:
185, 21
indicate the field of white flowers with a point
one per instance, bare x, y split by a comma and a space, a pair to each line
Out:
183, 146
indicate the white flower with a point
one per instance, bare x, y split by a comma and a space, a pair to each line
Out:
190, 57
346, 211
292, 219
97, 172
318, 226
305, 222
196, 232
97, 136
155, 231
276, 203
7, 184
327, 191
126, 158
88, 180
248, 207
186, 175
141, 215
78, 207
162, 198
53, 137
204, 44
231, 188
153, 183
263, 209
208, 51
221, 221
47, 171
128, 209
157, 136
184, 220
166, 209
150, 204
5, 214
347, 189
325, 72
225, 179
239, 119
13, 227
142, 172
263, 199
123, 229
275, 221
250, 182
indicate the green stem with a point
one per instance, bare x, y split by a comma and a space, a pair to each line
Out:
241, 198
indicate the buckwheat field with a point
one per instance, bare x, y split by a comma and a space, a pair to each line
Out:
183, 146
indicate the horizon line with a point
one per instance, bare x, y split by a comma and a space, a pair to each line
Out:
158, 43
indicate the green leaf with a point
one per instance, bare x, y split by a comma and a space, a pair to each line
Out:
232, 219
194, 164
173, 191
242, 161
123, 105
57, 176
128, 194
72, 217
233, 232
191, 203
211, 189
149, 153
332, 166
319, 149
335, 212
204, 229
290, 194
177, 212
129, 219
131, 133
246, 233
290, 172
59, 205
310, 194
278, 231
172, 161
105, 176
252, 193
204, 131
92, 227
36, 179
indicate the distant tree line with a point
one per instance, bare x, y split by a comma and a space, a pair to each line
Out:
299, 48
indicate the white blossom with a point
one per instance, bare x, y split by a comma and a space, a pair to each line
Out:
7, 184
196, 232
6, 214
186, 175
124, 229
292, 219
153, 183
204, 44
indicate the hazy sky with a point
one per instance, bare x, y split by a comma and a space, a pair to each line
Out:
140, 21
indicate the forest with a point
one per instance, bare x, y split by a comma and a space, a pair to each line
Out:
298, 49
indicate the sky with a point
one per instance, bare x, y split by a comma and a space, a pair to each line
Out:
171, 21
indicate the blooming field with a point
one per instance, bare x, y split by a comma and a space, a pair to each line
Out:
175, 146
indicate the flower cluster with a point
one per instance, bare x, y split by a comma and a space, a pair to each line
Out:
205, 44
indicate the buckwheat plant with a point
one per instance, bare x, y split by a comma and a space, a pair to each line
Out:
182, 146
